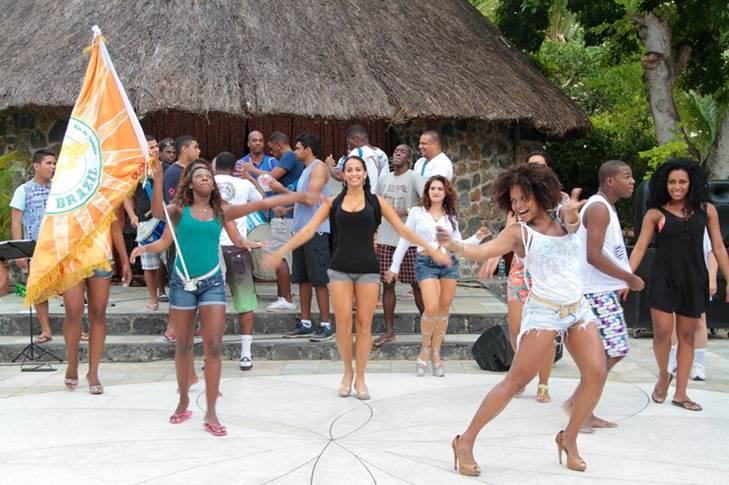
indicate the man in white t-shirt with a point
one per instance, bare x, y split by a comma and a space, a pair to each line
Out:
433, 160
605, 269
238, 261
375, 159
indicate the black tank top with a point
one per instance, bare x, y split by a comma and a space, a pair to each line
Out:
354, 237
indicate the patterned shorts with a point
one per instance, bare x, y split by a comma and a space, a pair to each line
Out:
610, 322
407, 268
517, 286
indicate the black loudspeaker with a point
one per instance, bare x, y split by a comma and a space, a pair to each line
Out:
492, 350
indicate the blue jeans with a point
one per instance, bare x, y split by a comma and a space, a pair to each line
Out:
210, 291
426, 268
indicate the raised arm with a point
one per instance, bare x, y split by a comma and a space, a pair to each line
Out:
717, 245
158, 198
647, 230
569, 213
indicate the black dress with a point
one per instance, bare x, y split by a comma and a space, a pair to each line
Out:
679, 280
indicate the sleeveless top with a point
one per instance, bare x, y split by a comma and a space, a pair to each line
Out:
679, 280
36, 198
353, 236
198, 242
303, 213
553, 262
594, 280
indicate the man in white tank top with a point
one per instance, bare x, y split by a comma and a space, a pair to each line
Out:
605, 268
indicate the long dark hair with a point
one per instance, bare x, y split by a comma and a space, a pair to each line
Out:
535, 181
698, 193
367, 187
449, 201
184, 196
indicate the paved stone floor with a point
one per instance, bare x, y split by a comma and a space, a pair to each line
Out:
287, 426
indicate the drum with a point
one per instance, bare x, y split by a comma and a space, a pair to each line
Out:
260, 233
150, 231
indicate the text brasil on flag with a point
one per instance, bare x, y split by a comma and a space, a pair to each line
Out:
102, 157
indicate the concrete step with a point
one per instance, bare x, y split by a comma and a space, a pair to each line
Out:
144, 348
265, 323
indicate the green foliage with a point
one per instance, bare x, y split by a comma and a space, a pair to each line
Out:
8, 167
659, 154
701, 117
524, 22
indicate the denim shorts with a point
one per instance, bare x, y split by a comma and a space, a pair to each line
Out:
426, 268
103, 274
356, 278
210, 291
538, 316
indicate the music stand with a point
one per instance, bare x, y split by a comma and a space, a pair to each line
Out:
23, 249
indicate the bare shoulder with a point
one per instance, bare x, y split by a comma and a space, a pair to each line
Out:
653, 215
711, 210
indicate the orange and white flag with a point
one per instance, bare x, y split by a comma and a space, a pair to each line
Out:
102, 158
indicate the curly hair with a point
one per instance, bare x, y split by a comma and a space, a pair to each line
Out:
449, 201
184, 196
366, 185
698, 194
535, 180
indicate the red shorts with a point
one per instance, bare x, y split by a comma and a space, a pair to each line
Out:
407, 268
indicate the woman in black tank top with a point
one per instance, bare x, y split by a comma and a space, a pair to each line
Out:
678, 286
354, 217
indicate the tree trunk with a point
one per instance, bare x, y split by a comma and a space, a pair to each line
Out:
660, 70
717, 163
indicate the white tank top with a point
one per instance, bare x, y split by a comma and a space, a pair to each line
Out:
594, 280
554, 265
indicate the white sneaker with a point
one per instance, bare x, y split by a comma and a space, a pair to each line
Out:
245, 363
281, 305
698, 373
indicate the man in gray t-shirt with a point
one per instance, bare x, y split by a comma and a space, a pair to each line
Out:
401, 188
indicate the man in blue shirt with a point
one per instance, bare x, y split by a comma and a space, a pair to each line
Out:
28, 207
287, 171
256, 162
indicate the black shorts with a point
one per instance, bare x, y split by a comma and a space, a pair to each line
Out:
311, 261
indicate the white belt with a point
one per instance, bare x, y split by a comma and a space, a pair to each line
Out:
191, 283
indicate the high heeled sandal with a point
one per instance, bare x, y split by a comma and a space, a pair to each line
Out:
543, 394
469, 469
95, 389
362, 395
71, 384
422, 365
438, 369
574, 463
345, 391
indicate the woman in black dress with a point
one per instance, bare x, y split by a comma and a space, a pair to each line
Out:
679, 282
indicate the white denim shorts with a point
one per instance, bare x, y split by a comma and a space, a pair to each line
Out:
538, 316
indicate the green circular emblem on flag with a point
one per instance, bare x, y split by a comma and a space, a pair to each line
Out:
78, 171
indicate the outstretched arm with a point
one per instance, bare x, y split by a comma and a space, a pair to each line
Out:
508, 240
407, 233
300, 237
232, 212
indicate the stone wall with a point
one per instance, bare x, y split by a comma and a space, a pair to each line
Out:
479, 151
26, 131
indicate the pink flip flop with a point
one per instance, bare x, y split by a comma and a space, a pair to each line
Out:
179, 418
215, 429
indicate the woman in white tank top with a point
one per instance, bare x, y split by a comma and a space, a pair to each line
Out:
551, 253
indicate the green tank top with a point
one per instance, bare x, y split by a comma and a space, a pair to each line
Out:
198, 242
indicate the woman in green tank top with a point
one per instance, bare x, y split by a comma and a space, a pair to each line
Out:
196, 216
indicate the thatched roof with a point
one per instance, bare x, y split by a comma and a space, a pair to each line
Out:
335, 59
